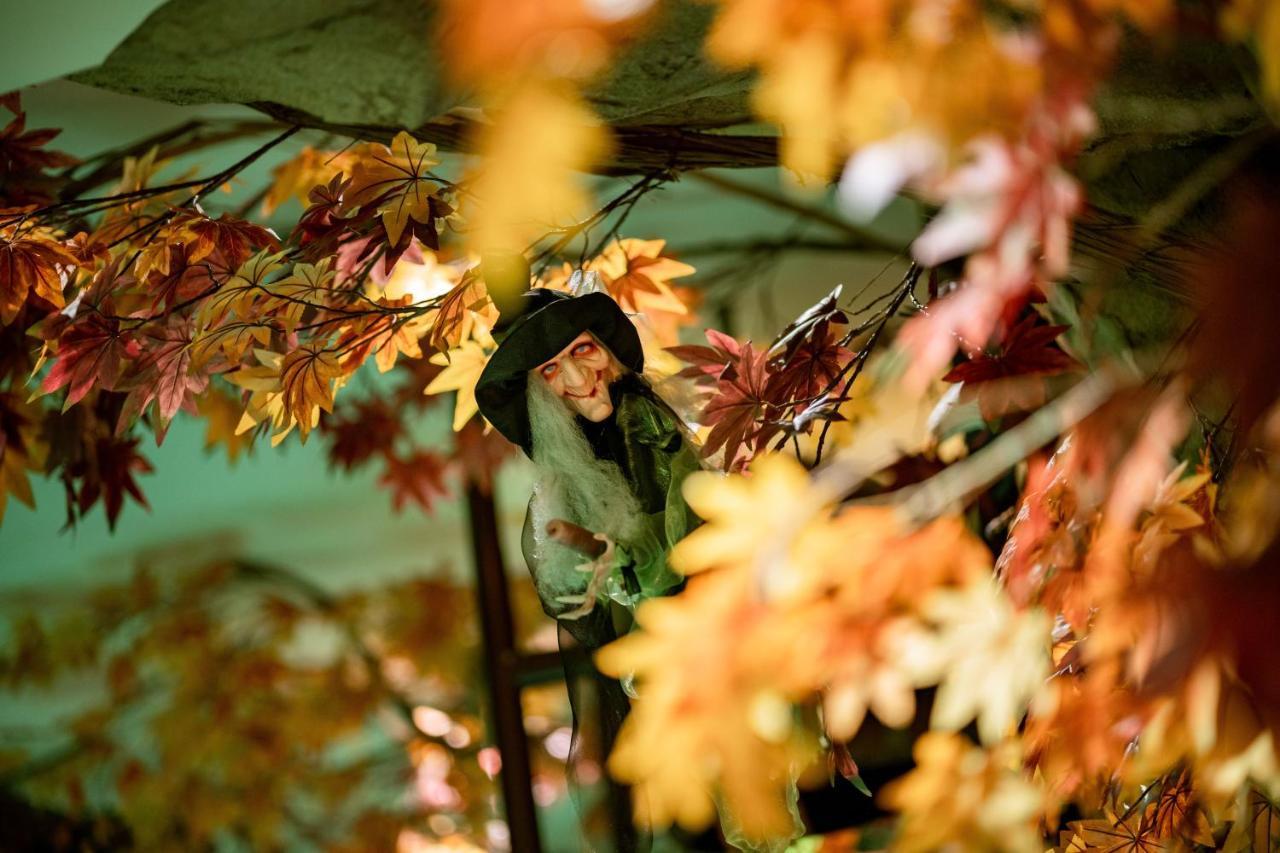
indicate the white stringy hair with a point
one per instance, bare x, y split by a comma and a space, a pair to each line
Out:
575, 484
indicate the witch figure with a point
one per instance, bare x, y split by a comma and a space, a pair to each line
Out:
565, 384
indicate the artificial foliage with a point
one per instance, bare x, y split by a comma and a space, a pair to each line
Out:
1002, 520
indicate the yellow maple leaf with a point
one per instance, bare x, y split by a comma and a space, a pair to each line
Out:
961, 797
397, 176
987, 658
463, 366
710, 722
525, 183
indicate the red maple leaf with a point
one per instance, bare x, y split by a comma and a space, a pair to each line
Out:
91, 350
1028, 350
361, 431
419, 478
736, 412
23, 160
1013, 377
234, 239
807, 373
162, 374
480, 453
708, 362
105, 470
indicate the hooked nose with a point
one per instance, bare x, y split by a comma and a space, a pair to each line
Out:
573, 374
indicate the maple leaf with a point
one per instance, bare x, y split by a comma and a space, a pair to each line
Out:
736, 409
638, 275
708, 363
368, 428
463, 310
92, 350
324, 220
297, 177
959, 791
240, 292
807, 372
395, 179
712, 720
21, 449
989, 658
233, 239
30, 263
222, 415
23, 159
307, 378
306, 286
106, 471
462, 368
176, 281
1010, 378
1111, 835
481, 452
419, 478
386, 336
162, 373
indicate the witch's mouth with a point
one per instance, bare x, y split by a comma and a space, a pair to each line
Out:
595, 389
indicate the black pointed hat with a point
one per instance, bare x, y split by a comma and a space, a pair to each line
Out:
548, 324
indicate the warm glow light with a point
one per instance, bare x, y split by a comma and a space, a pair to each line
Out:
490, 761
558, 743
432, 721
423, 281
458, 736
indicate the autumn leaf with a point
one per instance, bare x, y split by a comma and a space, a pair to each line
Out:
527, 180
104, 472
395, 178
708, 363
987, 658
240, 292
1111, 835
463, 310
288, 390
960, 792
162, 373
735, 411
307, 378
362, 431
14, 465
462, 368
297, 177
480, 451
176, 281
222, 414
306, 286
710, 723
418, 479
30, 263
24, 159
233, 239
1010, 378
638, 275
91, 351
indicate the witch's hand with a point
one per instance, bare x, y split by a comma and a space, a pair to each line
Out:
598, 570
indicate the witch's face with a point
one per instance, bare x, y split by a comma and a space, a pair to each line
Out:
580, 375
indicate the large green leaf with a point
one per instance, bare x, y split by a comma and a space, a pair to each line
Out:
340, 61
370, 63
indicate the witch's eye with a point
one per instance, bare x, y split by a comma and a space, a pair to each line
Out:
548, 370
584, 348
